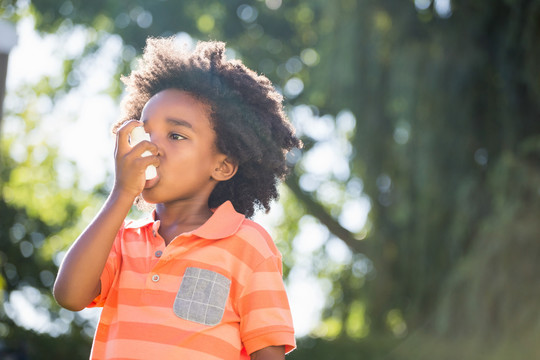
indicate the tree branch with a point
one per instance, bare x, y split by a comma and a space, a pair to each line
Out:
316, 209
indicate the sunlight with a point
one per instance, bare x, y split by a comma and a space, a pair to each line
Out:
78, 124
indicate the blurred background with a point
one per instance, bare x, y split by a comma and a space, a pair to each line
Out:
410, 225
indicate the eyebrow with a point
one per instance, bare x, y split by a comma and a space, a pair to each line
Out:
178, 122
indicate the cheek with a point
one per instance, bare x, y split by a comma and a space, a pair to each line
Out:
189, 158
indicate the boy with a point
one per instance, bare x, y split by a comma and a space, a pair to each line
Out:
197, 280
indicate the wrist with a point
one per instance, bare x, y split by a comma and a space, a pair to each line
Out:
121, 195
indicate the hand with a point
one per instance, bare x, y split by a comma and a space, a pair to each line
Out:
130, 166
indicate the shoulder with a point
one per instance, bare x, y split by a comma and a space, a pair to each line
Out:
255, 235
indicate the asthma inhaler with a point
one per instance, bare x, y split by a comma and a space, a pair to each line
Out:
136, 136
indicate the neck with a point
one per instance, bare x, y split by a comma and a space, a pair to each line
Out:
179, 218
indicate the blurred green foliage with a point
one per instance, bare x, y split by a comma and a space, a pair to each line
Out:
434, 107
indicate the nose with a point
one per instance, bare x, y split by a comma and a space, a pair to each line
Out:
154, 139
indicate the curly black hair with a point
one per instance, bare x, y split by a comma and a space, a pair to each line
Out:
246, 113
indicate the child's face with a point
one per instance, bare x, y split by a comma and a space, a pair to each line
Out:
180, 126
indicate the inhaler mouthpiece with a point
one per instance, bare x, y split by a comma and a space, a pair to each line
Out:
136, 136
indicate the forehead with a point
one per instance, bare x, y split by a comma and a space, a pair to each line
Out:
176, 103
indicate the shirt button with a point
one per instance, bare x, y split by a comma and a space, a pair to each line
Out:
155, 278
158, 253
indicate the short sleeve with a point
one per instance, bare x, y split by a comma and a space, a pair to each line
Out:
109, 271
264, 309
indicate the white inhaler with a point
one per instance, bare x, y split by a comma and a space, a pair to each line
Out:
137, 135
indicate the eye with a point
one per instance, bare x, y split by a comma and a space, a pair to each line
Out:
175, 136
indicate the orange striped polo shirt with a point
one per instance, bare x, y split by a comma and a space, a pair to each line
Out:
214, 293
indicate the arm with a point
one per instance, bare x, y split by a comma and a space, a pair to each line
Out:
269, 353
78, 280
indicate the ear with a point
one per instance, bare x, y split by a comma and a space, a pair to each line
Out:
225, 170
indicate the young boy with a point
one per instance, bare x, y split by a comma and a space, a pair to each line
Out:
196, 280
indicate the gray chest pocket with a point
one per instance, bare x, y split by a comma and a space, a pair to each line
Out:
202, 296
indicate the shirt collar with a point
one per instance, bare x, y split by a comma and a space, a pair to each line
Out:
223, 223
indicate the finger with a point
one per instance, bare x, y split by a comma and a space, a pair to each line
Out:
149, 160
144, 146
141, 165
122, 136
